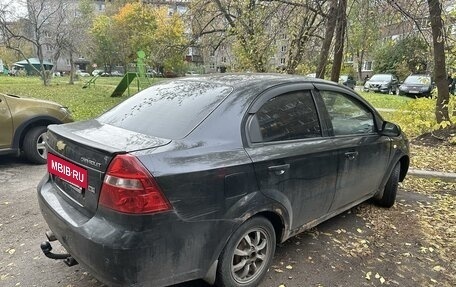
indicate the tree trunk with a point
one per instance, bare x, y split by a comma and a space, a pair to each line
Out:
71, 80
330, 27
438, 39
340, 39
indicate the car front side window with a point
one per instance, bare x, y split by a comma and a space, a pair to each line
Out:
347, 116
289, 116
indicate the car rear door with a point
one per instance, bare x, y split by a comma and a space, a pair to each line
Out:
362, 152
291, 153
6, 124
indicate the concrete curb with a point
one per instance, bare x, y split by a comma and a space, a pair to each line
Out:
444, 176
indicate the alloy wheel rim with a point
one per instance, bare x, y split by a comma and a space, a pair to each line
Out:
41, 145
250, 256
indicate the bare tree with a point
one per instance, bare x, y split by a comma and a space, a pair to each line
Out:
340, 40
40, 14
438, 43
331, 21
303, 23
438, 37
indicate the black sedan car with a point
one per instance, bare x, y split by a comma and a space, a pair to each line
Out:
348, 81
417, 86
200, 177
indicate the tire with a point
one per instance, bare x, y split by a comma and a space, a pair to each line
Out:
34, 145
247, 254
390, 191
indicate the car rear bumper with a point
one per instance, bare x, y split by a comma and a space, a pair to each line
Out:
154, 250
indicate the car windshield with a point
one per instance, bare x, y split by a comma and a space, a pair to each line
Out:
169, 110
418, 79
380, 78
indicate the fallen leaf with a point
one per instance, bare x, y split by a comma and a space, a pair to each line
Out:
278, 270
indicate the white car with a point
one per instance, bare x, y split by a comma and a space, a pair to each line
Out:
82, 73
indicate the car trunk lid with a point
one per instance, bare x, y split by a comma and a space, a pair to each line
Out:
79, 155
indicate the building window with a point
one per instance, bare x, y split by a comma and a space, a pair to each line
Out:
282, 61
223, 59
68, 62
367, 66
212, 53
283, 49
212, 65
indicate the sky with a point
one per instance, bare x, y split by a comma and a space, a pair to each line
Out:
14, 8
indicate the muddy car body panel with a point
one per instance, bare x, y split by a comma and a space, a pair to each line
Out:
198, 141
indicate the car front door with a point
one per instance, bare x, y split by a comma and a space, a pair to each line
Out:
6, 124
289, 149
363, 153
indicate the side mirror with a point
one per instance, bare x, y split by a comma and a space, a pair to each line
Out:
390, 129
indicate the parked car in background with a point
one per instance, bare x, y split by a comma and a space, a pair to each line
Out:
24, 122
151, 73
97, 72
116, 73
348, 81
82, 73
417, 86
200, 177
191, 73
383, 83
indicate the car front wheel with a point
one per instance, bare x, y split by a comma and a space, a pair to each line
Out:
390, 191
247, 255
34, 146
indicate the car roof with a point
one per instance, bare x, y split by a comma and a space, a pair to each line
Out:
240, 81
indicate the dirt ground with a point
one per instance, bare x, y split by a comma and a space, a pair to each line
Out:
411, 244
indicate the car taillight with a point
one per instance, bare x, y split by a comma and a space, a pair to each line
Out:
128, 187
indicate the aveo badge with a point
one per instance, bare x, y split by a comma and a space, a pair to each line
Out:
67, 171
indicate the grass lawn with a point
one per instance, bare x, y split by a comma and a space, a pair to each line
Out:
84, 103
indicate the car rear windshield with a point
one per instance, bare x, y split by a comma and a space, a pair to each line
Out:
170, 110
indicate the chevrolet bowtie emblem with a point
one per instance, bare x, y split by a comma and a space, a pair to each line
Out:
61, 145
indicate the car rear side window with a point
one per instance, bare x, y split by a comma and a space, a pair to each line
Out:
347, 115
170, 110
289, 116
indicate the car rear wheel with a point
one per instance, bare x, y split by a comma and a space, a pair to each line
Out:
389, 194
247, 255
34, 146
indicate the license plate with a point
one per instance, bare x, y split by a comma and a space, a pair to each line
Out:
414, 92
66, 170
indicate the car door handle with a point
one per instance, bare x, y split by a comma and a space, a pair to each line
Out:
351, 155
279, 169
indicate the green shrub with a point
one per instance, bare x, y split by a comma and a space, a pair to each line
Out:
418, 116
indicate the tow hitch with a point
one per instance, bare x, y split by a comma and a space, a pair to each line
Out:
47, 248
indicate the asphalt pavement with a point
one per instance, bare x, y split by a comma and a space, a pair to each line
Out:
333, 254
